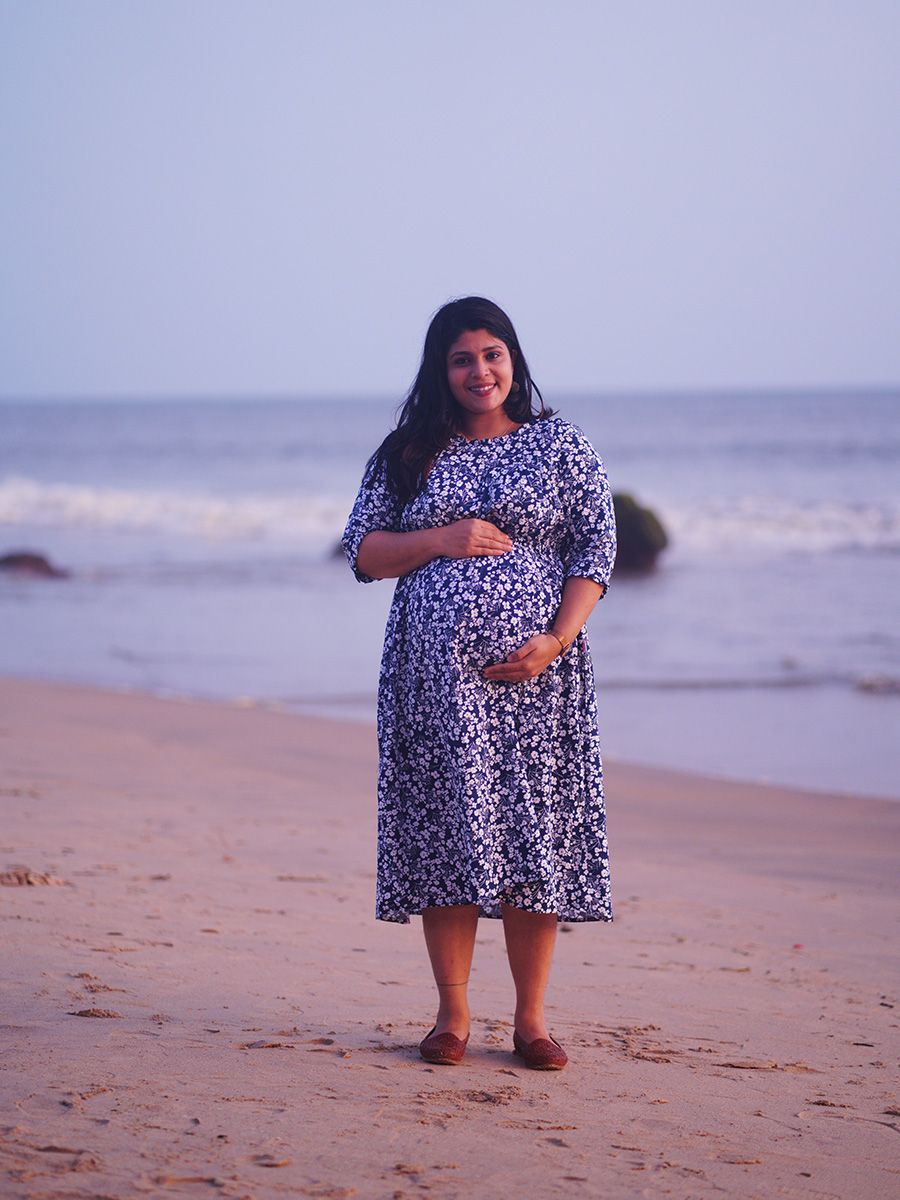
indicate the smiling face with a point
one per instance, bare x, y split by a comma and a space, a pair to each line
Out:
479, 371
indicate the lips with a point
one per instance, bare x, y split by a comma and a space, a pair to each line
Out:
483, 391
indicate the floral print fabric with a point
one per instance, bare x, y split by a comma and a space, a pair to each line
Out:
492, 790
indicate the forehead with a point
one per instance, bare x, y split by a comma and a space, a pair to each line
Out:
474, 341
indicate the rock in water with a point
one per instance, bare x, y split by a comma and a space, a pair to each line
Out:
640, 535
639, 532
27, 562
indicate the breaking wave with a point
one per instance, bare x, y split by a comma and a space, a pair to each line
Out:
217, 518
752, 522
756, 522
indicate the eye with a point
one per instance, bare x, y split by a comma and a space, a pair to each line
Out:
493, 354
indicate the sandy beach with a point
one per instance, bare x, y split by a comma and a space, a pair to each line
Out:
197, 999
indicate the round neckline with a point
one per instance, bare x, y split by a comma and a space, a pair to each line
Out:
497, 437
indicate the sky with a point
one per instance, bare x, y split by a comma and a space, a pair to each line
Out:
212, 197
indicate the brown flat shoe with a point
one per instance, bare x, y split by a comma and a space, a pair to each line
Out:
443, 1048
543, 1054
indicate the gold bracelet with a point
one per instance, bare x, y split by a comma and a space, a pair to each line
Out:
563, 645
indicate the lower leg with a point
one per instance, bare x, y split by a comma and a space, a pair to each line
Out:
450, 938
530, 941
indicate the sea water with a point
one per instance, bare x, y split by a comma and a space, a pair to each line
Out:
201, 538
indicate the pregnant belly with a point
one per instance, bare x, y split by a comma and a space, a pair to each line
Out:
479, 609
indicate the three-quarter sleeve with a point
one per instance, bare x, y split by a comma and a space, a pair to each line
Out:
374, 508
590, 549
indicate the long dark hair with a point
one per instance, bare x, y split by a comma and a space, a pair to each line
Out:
430, 415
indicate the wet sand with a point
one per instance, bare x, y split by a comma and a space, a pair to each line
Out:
198, 1001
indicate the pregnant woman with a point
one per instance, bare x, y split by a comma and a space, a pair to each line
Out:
497, 523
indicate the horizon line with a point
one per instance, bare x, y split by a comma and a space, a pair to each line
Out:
676, 391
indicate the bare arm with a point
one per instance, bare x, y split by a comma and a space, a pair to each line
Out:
579, 595
387, 555
384, 554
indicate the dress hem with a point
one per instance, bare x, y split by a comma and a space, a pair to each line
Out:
492, 912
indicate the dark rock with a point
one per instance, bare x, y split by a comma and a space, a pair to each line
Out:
639, 534
35, 566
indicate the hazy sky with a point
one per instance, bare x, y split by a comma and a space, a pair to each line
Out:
206, 196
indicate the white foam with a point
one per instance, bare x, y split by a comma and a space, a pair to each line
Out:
765, 522
713, 526
218, 518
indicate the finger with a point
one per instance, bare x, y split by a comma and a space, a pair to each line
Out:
514, 670
524, 651
493, 532
515, 657
501, 671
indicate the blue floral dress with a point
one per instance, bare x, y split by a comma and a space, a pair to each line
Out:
492, 790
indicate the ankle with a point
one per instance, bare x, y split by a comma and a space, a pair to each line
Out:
454, 1012
531, 1023
453, 1015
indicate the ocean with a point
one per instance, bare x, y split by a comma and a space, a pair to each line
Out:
201, 538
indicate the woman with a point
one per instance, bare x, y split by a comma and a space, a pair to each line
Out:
497, 523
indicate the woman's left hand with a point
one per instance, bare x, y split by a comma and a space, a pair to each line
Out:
529, 660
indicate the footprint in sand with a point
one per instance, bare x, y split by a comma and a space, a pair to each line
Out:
19, 876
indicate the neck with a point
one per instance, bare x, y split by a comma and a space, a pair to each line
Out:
486, 425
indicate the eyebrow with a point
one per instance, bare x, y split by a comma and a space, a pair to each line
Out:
492, 346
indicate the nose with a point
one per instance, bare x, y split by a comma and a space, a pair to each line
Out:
480, 370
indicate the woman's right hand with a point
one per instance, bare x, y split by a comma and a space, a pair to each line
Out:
471, 537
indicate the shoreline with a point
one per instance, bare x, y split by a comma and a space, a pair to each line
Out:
212, 886
346, 712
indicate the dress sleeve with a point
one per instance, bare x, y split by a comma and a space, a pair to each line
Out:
374, 508
590, 549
